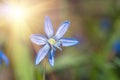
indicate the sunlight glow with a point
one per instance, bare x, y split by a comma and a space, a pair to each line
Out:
16, 13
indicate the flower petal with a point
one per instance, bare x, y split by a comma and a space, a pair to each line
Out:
51, 57
48, 27
4, 58
62, 29
42, 53
69, 41
38, 39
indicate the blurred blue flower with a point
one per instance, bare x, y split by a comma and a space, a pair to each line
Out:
116, 47
4, 58
52, 42
105, 24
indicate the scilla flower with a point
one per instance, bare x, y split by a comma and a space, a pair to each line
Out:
52, 41
4, 58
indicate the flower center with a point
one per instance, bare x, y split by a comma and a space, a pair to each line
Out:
52, 41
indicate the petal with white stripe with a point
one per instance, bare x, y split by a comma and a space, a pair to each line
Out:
42, 53
62, 29
48, 27
38, 39
69, 41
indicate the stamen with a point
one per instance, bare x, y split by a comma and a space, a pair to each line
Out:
52, 41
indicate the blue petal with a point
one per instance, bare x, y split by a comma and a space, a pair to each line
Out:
62, 29
69, 41
42, 53
38, 39
51, 57
4, 58
48, 27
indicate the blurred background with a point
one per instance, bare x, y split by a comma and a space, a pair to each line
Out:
95, 23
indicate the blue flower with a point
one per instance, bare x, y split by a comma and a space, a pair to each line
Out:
105, 24
116, 46
4, 58
52, 41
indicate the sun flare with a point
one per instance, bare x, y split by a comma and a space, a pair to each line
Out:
16, 12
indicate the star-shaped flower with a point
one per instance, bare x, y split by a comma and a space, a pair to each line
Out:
4, 58
52, 42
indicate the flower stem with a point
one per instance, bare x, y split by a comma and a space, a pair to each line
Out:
44, 70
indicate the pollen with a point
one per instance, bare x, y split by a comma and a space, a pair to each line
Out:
52, 41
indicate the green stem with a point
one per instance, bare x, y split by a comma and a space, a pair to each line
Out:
44, 70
